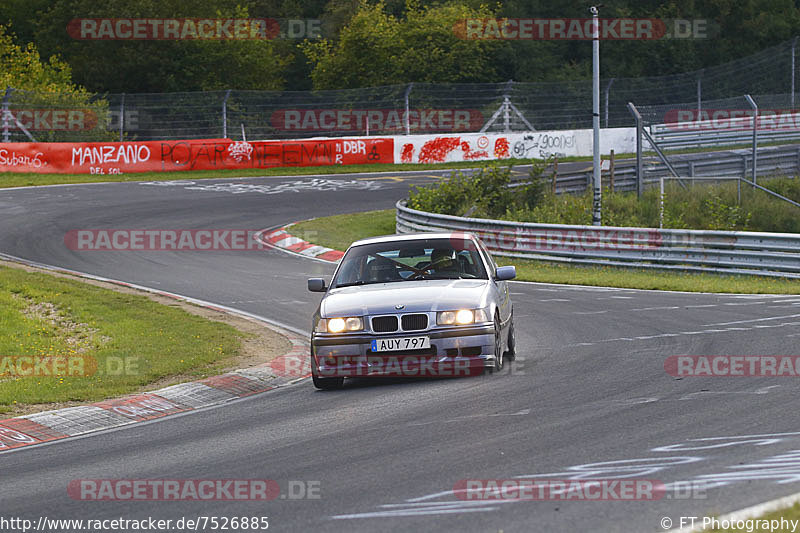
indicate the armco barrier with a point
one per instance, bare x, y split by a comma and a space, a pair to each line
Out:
772, 161
734, 252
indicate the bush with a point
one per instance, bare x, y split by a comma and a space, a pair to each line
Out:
716, 207
484, 194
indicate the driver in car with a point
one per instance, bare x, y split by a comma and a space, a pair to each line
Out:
444, 261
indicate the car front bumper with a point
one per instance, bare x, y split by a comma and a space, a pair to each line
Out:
454, 352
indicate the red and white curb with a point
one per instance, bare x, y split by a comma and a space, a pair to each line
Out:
281, 238
48, 426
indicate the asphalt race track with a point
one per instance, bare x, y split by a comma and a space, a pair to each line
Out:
588, 397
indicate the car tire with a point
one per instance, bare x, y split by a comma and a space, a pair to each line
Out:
511, 354
498, 345
323, 383
327, 383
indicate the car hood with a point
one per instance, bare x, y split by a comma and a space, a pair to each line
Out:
415, 296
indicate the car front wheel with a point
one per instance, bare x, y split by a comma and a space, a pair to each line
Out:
320, 382
511, 354
498, 345
327, 383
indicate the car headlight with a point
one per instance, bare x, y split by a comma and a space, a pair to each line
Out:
461, 317
338, 325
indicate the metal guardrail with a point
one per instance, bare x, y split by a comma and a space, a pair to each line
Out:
731, 252
669, 137
772, 161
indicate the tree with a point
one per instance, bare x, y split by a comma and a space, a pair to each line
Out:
377, 48
160, 65
41, 85
23, 68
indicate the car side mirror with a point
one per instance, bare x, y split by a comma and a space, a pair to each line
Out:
505, 273
316, 285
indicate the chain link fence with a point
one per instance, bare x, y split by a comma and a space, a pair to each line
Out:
395, 109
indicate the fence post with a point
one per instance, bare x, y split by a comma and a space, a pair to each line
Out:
225, 114
507, 107
794, 45
639, 168
5, 113
797, 162
121, 117
608, 90
555, 173
699, 95
405, 97
611, 169
755, 134
739, 192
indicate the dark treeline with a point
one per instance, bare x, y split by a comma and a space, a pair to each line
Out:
368, 43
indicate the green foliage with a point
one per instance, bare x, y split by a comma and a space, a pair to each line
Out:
484, 194
24, 69
378, 42
47, 85
712, 207
160, 65
722, 216
378, 48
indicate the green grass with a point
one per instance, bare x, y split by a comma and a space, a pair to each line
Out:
20, 179
105, 328
339, 231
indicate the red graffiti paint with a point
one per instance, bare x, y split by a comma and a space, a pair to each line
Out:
469, 155
436, 151
408, 153
501, 148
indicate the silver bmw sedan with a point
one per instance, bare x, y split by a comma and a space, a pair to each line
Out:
414, 305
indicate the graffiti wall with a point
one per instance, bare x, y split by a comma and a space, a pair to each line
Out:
219, 154
204, 154
538, 145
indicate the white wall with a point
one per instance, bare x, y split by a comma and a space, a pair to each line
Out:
482, 147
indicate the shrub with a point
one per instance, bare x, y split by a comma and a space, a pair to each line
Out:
486, 194
483, 194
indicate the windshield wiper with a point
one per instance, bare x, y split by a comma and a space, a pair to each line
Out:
359, 282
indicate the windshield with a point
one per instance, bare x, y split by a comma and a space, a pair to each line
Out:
410, 260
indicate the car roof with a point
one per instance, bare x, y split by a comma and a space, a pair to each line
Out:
412, 237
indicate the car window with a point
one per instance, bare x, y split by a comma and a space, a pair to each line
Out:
410, 260
488, 255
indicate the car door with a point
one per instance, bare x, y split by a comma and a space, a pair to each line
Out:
499, 288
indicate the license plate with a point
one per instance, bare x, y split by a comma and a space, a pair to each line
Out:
402, 343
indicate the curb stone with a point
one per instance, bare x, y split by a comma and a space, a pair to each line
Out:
281, 238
